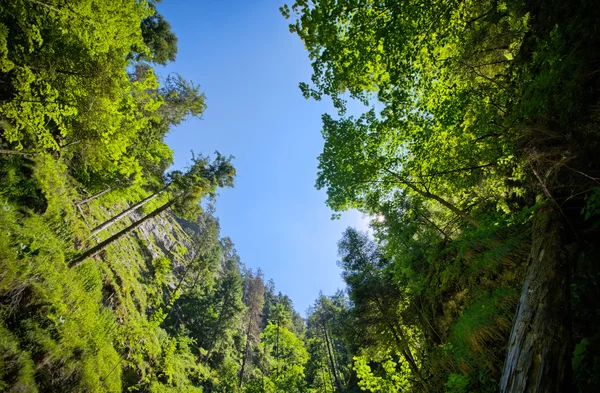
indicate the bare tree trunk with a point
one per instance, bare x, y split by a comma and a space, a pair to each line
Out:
277, 352
92, 252
338, 383
539, 348
15, 153
244, 358
99, 194
126, 212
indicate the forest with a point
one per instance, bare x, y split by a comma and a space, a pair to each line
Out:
476, 159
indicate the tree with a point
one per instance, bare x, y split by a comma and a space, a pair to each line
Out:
478, 113
376, 299
193, 311
289, 357
108, 223
544, 307
202, 179
182, 99
330, 350
159, 39
229, 293
70, 92
328, 345
254, 291
96, 195
362, 160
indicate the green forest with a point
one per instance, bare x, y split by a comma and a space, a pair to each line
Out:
477, 159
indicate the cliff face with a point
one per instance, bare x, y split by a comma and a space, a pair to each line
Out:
160, 237
163, 236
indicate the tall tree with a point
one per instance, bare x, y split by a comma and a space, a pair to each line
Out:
182, 99
229, 292
322, 316
254, 292
289, 358
375, 296
159, 39
203, 178
478, 113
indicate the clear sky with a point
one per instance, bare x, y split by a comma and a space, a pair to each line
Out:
249, 67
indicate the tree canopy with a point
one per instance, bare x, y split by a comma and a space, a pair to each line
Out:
476, 159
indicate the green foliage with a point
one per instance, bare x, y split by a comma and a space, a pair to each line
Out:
52, 313
16, 365
80, 113
182, 99
481, 105
457, 383
389, 376
478, 338
477, 108
158, 37
71, 91
592, 206
288, 358
586, 364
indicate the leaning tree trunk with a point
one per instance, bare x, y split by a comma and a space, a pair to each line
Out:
402, 343
277, 351
539, 348
244, 358
126, 212
247, 348
338, 382
92, 252
91, 198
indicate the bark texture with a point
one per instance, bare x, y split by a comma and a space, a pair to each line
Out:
539, 348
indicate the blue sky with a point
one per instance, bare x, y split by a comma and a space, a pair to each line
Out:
249, 66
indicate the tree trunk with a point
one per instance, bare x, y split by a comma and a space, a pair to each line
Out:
247, 347
99, 194
338, 383
171, 305
277, 352
244, 359
92, 252
402, 343
539, 348
331, 381
15, 153
126, 212
335, 361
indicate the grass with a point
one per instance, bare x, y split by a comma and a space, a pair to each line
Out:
89, 328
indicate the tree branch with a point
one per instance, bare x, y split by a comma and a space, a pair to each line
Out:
436, 198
